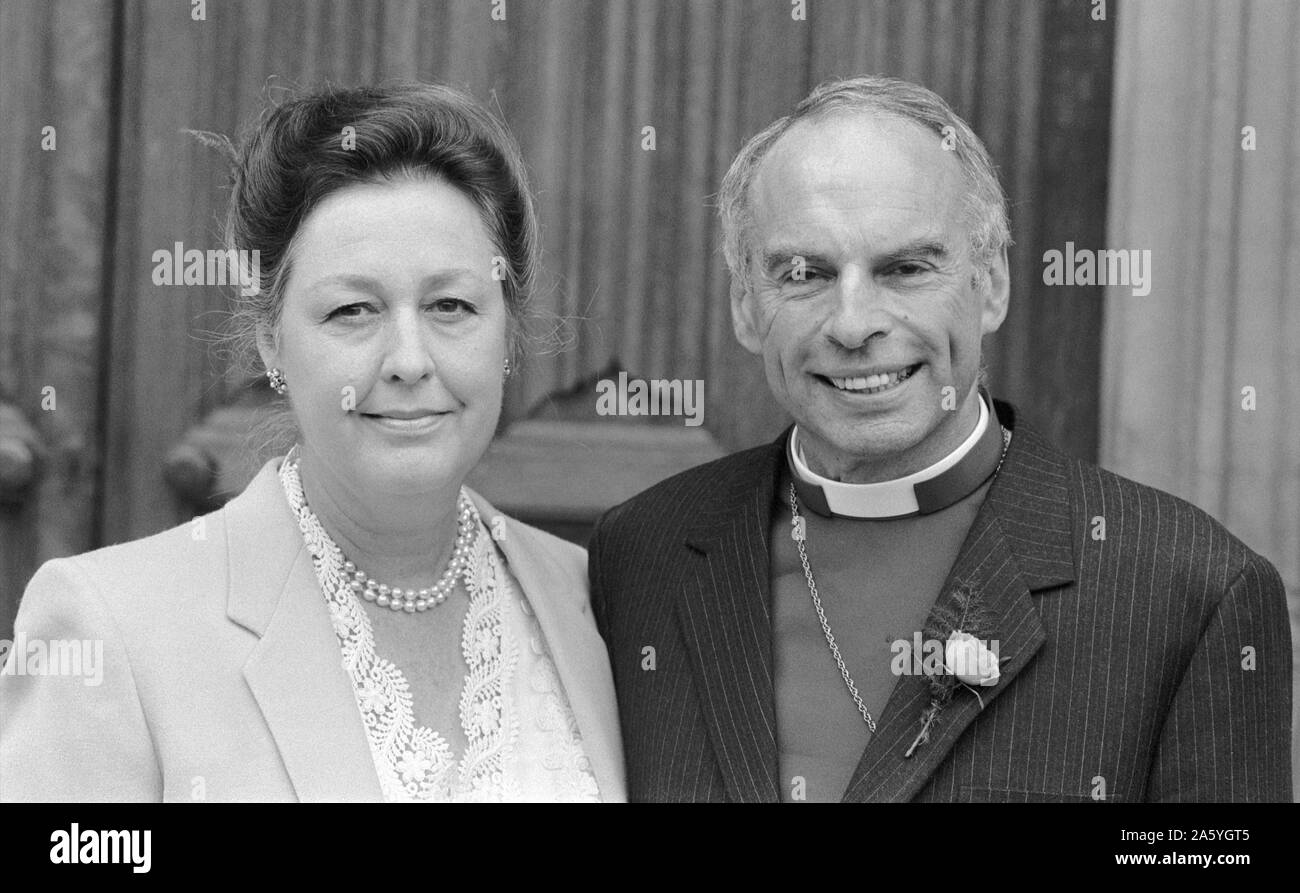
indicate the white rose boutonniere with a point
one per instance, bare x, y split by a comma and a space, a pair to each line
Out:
970, 660
964, 625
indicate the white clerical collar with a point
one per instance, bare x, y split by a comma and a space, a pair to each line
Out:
951, 479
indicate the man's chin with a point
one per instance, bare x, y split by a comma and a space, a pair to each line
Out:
884, 445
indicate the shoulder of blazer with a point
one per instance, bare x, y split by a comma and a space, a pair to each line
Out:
155, 566
1142, 524
149, 600
188, 563
714, 486
1142, 521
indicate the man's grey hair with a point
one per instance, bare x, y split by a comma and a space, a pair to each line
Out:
986, 203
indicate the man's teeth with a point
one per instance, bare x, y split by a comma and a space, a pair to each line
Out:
872, 383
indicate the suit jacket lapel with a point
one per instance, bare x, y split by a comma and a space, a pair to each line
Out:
727, 625
294, 671
1020, 543
581, 660
985, 563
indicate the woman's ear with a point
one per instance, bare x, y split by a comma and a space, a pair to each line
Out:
268, 346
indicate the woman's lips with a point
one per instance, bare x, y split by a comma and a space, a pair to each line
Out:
403, 413
415, 424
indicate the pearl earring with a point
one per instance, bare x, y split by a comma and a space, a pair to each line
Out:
276, 377
507, 367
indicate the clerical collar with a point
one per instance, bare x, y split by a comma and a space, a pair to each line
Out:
950, 480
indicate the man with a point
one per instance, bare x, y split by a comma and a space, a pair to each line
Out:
911, 594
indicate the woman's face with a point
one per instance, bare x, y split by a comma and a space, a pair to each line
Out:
392, 337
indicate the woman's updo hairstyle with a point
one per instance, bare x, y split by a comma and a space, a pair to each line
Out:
303, 149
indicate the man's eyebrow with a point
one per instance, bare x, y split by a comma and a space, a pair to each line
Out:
775, 258
927, 249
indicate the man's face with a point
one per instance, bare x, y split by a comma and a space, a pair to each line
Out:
869, 210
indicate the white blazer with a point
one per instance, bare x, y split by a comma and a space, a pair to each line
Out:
221, 672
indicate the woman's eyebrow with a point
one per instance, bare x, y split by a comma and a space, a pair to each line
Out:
350, 281
371, 285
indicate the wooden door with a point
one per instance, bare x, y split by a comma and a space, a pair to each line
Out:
629, 233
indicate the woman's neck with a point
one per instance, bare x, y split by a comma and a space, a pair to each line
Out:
400, 541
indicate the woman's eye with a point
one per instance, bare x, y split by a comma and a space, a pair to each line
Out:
453, 307
349, 311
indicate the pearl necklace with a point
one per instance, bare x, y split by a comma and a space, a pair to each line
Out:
410, 600
413, 600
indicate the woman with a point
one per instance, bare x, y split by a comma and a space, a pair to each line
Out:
356, 625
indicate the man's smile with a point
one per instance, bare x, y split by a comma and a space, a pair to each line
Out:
869, 381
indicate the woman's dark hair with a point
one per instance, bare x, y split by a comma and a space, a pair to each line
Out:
304, 148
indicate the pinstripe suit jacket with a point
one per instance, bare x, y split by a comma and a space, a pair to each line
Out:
1125, 672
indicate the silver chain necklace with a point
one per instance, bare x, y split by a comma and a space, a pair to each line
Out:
801, 534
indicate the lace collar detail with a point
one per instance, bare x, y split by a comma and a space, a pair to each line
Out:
415, 762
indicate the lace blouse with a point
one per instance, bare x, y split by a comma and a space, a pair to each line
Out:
523, 743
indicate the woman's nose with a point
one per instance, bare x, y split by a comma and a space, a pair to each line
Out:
407, 354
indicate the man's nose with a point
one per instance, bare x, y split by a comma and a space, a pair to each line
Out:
407, 353
861, 311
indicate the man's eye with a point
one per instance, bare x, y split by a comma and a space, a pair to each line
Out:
910, 269
807, 274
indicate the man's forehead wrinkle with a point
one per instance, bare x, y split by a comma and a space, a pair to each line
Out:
857, 180
827, 227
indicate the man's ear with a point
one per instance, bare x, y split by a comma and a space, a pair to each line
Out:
743, 317
997, 294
